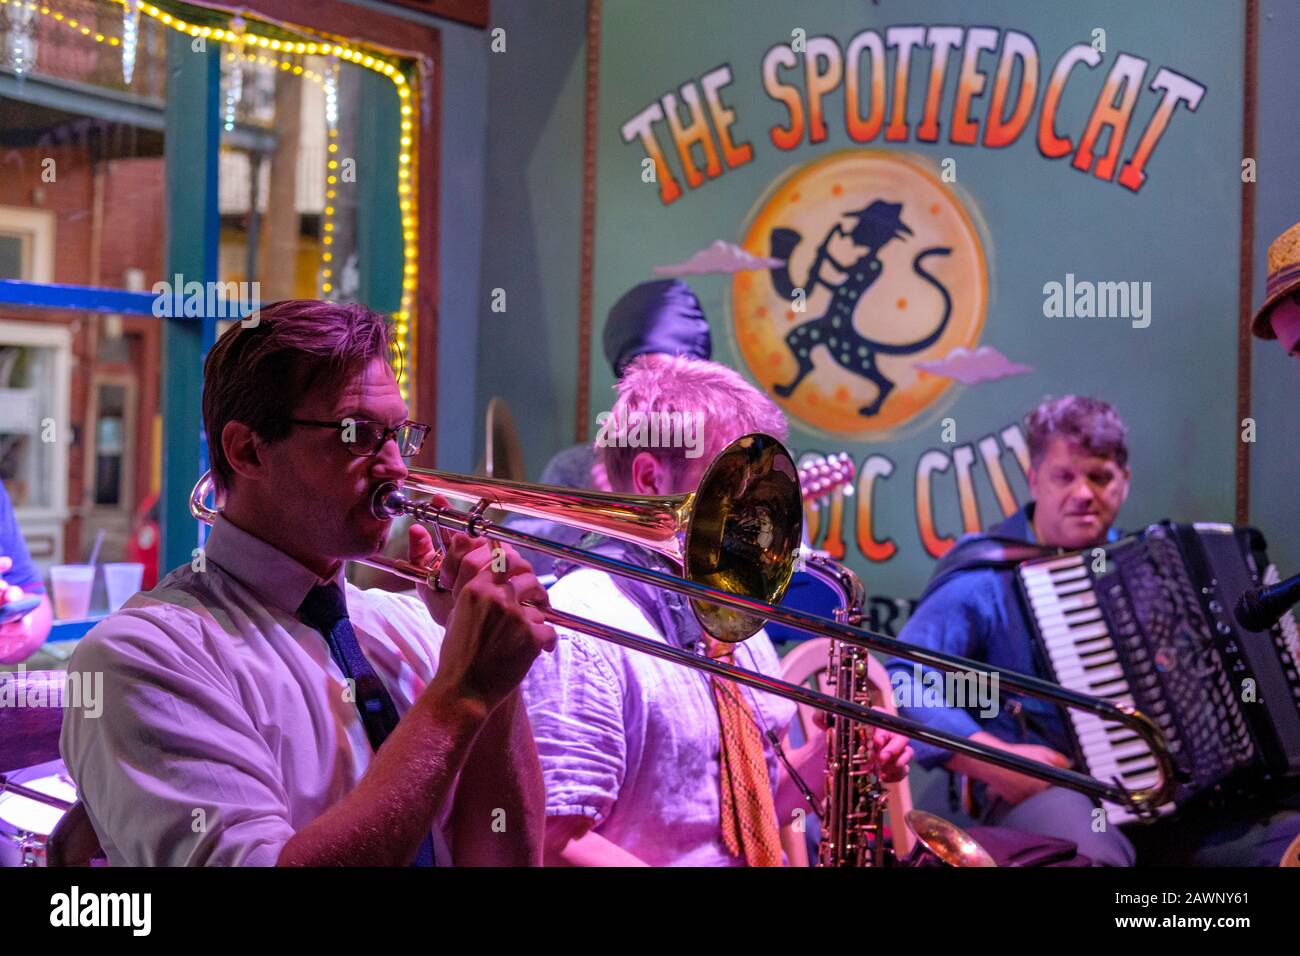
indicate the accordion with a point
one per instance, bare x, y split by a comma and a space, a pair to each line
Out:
1146, 621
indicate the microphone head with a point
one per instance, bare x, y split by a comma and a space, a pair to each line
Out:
1248, 611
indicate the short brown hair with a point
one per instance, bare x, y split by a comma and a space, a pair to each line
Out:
1090, 423
259, 371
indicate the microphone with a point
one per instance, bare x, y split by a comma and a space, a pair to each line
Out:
1260, 608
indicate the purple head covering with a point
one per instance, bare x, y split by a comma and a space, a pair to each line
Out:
659, 317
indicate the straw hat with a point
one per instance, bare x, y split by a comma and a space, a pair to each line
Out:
1283, 278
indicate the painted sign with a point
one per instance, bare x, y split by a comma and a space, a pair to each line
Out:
908, 229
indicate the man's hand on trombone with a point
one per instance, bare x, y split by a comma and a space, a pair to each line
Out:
493, 636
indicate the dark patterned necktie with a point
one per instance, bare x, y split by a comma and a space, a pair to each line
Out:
326, 609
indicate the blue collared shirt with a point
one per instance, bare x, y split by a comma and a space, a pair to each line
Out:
23, 574
977, 613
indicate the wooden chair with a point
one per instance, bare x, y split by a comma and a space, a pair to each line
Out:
810, 660
29, 736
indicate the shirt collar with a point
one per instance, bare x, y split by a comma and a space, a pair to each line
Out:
1019, 526
1028, 513
277, 579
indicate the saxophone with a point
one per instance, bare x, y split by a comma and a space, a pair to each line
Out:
853, 811
854, 807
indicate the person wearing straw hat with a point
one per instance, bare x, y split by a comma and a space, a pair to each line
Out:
1279, 316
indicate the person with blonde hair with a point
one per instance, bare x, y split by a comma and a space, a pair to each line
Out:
647, 762
661, 317
1279, 317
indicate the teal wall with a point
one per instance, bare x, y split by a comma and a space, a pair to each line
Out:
526, 236
460, 226
532, 223
530, 220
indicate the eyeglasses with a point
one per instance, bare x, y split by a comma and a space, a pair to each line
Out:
365, 438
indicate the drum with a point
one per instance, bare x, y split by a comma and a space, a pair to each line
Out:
31, 717
26, 822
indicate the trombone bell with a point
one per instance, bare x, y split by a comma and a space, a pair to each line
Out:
744, 534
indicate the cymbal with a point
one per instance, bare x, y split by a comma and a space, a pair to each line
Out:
503, 455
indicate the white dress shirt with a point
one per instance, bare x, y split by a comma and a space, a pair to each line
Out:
632, 741
226, 725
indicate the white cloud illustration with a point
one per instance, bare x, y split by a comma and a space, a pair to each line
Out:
985, 364
720, 257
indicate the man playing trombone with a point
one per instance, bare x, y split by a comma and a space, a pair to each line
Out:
647, 762
261, 710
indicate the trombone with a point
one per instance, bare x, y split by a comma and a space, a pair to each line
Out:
738, 540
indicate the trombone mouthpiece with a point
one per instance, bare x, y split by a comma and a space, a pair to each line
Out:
386, 501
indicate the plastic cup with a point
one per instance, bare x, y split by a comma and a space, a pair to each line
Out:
72, 585
122, 579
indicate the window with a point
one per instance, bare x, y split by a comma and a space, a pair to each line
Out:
26, 244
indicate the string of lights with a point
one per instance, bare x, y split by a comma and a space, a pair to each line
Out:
242, 36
